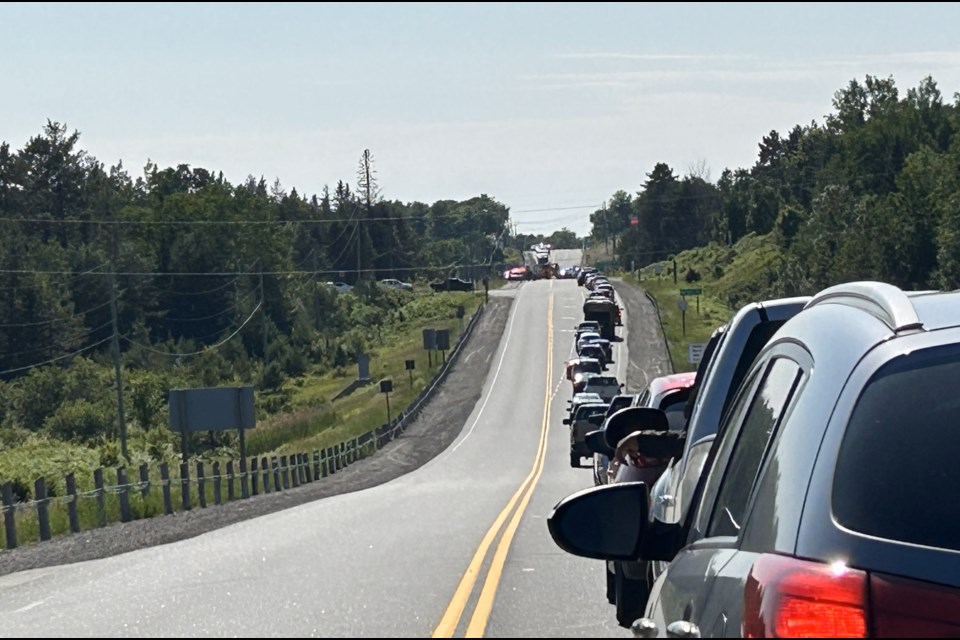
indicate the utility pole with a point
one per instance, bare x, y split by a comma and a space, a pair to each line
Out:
368, 190
263, 323
118, 370
606, 227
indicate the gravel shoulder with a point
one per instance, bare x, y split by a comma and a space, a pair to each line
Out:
437, 426
648, 357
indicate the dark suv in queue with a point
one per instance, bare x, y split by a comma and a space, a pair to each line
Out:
829, 505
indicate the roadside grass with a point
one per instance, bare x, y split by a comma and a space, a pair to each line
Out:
318, 421
729, 277
315, 422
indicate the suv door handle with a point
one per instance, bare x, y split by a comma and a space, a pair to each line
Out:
666, 500
682, 629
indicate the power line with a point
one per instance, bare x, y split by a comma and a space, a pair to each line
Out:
207, 348
204, 293
295, 272
426, 216
55, 320
234, 307
52, 360
90, 332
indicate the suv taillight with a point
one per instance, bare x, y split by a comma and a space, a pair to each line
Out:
790, 598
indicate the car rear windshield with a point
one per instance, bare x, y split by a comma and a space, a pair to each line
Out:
897, 472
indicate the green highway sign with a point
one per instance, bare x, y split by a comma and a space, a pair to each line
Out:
691, 292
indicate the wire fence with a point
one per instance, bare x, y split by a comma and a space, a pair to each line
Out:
165, 489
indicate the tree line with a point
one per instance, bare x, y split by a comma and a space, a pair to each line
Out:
872, 192
199, 281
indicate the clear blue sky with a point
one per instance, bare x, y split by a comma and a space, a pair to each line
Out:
542, 106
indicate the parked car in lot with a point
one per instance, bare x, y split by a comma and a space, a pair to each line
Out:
828, 503
453, 284
392, 283
340, 287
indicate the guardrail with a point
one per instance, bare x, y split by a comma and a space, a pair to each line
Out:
663, 333
148, 496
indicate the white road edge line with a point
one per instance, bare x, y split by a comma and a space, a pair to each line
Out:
506, 343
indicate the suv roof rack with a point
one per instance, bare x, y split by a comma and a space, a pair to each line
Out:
888, 303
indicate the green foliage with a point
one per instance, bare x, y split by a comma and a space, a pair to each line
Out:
52, 460
80, 421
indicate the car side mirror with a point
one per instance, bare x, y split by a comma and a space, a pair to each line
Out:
566, 421
597, 444
581, 524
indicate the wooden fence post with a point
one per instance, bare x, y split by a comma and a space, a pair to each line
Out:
285, 467
165, 486
244, 488
201, 486
124, 492
9, 515
72, 512
185, 486
254, 476
144, 481
101, 497
231, 492
276, 473
43, 507
265, 470
217, 480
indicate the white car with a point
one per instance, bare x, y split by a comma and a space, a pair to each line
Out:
392, 283
341, 287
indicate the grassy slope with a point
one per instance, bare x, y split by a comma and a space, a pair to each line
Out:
730, 277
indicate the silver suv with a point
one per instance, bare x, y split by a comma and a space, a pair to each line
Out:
828, 505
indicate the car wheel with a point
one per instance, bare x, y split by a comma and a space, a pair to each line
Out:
631, 597
574, 460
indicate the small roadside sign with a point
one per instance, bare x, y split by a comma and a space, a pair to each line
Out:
682, 304
691, 292
658, 268
695, 352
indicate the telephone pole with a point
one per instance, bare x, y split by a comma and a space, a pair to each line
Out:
263, 323
118, 370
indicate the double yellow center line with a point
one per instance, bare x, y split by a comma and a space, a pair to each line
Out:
484, 607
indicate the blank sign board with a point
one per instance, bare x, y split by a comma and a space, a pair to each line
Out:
212, 409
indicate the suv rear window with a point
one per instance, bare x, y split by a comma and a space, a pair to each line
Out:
896, 475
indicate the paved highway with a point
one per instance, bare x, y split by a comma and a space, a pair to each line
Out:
458, 547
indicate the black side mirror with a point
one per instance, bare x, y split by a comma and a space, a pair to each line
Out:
597, 444
566, 421
581, 524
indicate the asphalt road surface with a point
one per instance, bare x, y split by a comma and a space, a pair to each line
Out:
457, 547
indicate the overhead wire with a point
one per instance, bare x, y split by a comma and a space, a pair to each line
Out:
206, 348
52, 360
